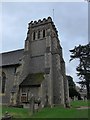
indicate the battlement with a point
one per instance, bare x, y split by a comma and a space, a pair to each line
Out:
42, 22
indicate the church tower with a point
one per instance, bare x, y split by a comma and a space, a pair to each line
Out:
42, 72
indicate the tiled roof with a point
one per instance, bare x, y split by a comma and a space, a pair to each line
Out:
12, 57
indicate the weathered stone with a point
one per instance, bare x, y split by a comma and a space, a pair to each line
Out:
42, 56
7, 116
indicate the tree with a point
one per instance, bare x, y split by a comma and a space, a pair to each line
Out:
82, 84
72, 88
82, 52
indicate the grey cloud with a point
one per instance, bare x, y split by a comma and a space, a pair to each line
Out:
71, 20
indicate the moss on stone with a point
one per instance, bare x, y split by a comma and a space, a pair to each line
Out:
33, 79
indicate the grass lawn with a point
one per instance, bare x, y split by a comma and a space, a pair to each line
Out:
61, 113
55, 112
17, 112
79, 103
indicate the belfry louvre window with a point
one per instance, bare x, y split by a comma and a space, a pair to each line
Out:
38, 34
24, 97
34, 36
43, 33
3, 79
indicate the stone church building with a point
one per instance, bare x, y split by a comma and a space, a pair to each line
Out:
38, 70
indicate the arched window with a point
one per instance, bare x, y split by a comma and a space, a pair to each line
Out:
43, 33
3, 82
38, 34
34, 36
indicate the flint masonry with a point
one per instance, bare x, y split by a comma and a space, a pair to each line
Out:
37, 70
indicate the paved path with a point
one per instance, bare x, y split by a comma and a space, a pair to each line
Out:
83, 107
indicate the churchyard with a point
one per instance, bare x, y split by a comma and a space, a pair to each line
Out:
78, 109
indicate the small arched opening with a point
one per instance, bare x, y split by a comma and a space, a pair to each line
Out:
3, 82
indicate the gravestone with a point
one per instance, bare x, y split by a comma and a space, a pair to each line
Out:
7, 116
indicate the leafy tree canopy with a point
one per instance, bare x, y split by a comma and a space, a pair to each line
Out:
72, 88
82, 52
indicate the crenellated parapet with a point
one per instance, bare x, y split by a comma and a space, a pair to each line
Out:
40, 22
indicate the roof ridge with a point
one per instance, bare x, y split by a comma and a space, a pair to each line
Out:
12, 51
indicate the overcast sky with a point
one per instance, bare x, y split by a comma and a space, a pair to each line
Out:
70, 18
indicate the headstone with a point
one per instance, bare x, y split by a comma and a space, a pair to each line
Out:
32, 106
7, 116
